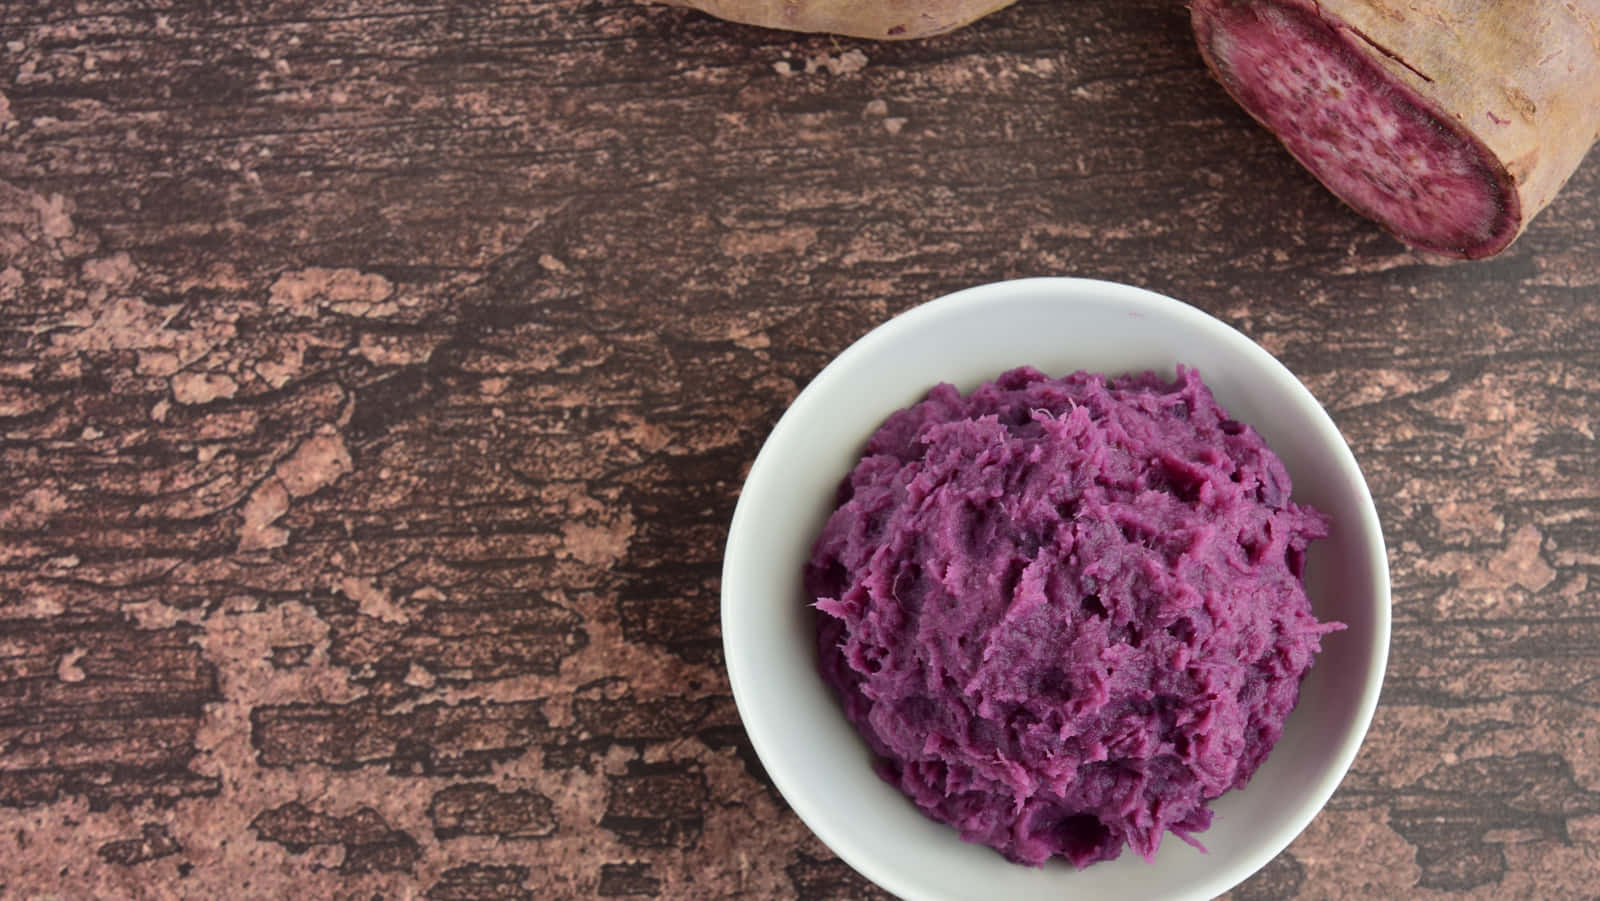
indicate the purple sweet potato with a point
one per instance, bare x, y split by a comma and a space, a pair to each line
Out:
881, 19
1449, 122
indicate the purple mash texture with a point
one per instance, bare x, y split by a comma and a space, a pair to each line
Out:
1067, 613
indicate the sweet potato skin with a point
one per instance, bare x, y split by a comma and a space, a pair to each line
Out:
1518, 78
887, 20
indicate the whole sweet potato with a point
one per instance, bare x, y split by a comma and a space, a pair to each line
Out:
1449, 122
880, 19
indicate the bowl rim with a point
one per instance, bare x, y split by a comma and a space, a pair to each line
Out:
1140, 302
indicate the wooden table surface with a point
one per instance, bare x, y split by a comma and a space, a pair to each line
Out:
377, 380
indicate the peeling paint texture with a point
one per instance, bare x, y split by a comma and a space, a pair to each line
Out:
377, 380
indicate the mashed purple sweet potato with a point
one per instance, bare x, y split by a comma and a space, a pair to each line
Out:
1067, 613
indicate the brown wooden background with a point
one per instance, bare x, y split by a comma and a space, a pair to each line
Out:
377, 378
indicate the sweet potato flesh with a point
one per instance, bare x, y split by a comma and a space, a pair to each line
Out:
1371, 139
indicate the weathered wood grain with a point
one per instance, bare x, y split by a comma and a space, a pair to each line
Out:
377, 379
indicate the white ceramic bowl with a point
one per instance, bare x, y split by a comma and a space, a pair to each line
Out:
1058, 325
